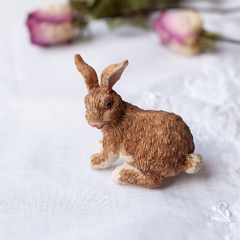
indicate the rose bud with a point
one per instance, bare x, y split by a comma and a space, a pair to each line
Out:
51, 25
180, 30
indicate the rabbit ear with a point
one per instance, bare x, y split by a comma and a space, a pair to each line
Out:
88, 73
112, 74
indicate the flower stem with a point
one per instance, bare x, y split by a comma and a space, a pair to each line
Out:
218, 37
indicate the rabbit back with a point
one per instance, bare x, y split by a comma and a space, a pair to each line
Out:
153, 141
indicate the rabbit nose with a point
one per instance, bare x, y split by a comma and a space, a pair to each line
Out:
96, 125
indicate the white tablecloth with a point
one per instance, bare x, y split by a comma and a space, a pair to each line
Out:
48, 191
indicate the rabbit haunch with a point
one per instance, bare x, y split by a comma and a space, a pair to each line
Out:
152, 144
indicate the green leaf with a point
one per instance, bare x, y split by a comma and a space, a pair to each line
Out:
116, 22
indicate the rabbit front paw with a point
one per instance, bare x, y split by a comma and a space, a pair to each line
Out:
97, 162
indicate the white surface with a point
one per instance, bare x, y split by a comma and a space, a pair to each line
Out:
48, 191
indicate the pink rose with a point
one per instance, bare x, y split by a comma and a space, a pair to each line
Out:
180, 30
51, 25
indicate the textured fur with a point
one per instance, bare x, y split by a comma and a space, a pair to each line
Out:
153, 144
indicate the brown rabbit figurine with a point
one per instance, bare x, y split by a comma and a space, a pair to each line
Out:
152, 144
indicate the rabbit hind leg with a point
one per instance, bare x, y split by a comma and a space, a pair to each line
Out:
127, 174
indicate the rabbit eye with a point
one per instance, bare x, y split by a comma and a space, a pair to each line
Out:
108, 104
